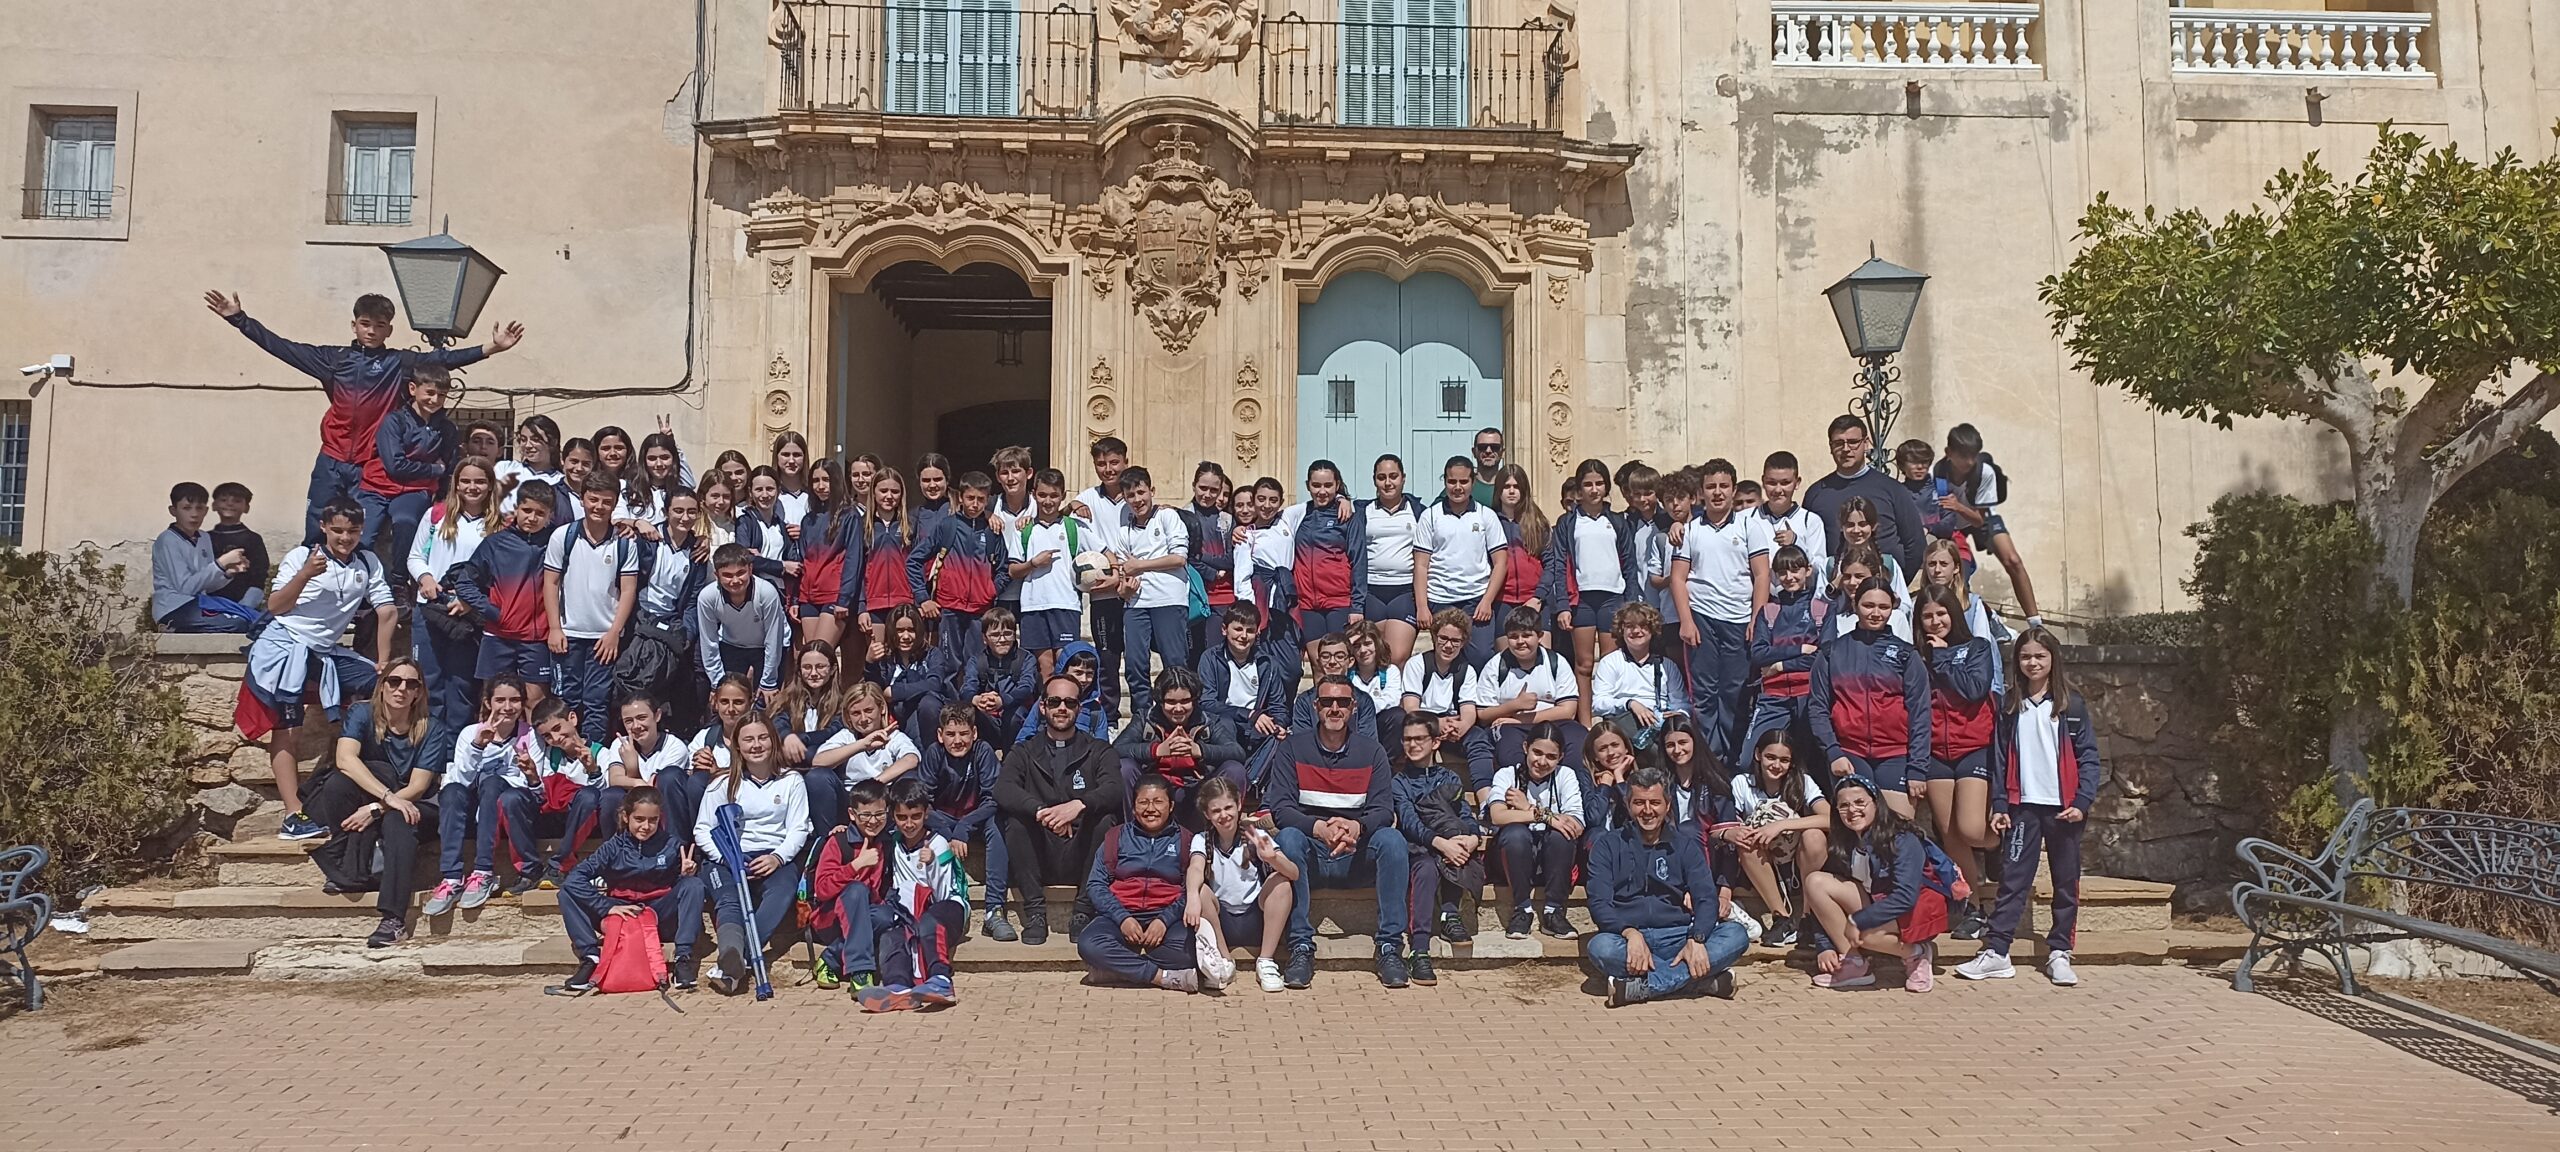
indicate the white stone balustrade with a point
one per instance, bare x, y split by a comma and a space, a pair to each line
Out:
1883, 34
2293, 43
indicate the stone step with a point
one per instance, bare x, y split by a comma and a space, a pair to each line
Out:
282, 958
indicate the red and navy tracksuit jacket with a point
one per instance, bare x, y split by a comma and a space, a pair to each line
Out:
410, 454
1524, 575
1212, 552
1960, 710
1787, 623
964, 792
1870, 698
1137, 874
1217, 673
967, 550
830, 559
753, 528
1311, 783
1558, 585
835, 873
363, 384
884, 567
503, 583
2080, 770
1332, 558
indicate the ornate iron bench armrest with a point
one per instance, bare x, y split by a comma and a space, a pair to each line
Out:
2280, 869
18, 866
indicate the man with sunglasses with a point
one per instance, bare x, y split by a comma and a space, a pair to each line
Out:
1488, 460
1331, 793
1058, 792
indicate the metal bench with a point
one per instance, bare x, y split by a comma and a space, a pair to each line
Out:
2294, 905
23, 917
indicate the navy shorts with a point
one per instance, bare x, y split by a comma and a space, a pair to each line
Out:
1974, 765
1598, 610
1991, 526
530, 659
813, 611
1241, 929
1892, 773
1316, 623
1048, 629
1388, 602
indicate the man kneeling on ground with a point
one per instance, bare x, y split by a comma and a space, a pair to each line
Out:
1659, 906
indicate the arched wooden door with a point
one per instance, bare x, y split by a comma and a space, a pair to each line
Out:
1411, 367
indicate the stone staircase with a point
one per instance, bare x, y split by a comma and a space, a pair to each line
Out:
265, 915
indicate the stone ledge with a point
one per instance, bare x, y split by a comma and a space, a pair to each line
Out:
163, 958
184, 644
2077, 655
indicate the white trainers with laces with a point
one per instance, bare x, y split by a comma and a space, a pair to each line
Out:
1217, 969
2057, 968
1987, 965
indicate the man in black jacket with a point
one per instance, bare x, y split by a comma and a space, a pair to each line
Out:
1058, 792
1900, 533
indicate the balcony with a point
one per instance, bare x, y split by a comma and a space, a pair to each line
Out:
68, 204
970, 58
2252, 43
369, 208
1903, 37
1336, 74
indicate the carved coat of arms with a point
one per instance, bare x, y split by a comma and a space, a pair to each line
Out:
1169, 232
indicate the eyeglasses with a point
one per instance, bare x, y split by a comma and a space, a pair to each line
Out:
1058, 701
402, 682
1333, 701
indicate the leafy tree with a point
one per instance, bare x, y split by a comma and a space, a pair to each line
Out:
2404, 309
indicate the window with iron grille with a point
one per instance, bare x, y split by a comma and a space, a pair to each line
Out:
1341, 398
1453, 399
15, 418
78, 167
377, 161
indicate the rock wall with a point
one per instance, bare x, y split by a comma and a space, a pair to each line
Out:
231, 777
2165, 813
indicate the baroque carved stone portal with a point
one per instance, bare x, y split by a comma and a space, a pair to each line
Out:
1187, 36
1170, 231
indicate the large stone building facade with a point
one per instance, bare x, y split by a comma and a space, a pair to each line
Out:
1252, 231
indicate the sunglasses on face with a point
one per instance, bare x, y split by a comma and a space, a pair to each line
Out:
1333, 701
401, 681
1488, 447
1058, 701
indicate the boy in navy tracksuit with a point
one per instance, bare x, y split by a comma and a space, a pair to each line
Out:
849, 890
1136, 887
1082, 663
1784, 637
414, 447
1448, 841
647, 866
1241, 680
952, 570
1001, 679
1649, 881
960, 770
503, 584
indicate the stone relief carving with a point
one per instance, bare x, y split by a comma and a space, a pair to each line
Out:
778, 273
1100, 406
1187, 36
939, 207
1411, 218
1248, 414
1170, 231
1559, 419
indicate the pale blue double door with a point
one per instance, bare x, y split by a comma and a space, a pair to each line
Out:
1412, 368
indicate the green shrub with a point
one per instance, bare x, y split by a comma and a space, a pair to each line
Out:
2149, 629
90, 737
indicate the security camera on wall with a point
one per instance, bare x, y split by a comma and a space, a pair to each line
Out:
36, 370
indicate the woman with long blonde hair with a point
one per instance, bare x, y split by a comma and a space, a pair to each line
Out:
377, 790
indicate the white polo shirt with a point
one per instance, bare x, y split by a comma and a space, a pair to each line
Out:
1392, 537
329, 602
1434, 692
1160, 535
1461, 546
869, 765
1272, 548
590, 575
1810, 533
1719, 559
1560, 792
671, 753
1595, 555
1052, 588
1549, 679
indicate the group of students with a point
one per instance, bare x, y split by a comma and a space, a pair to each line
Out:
881, 682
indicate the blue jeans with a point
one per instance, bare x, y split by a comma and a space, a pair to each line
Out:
330, 480
1382, 856
191, 618
1719, 666
461, 824
772, 895
447, 666
1725, 944
586, 684
1150, 632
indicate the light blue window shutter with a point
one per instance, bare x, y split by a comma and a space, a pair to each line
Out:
1368, 61
1432, 68
920, 78
986, 50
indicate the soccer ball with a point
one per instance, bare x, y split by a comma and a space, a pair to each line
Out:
1093, 570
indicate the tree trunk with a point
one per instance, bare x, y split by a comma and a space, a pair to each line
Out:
2393, 507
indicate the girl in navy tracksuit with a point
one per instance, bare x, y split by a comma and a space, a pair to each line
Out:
960, 768
1881, 893
765, 532
919, 674
2051, 781
1212, 554
1961, 670
888, 531
1137, 935
647, 866
830, 561
1870, 702
1590, 566
1000, 678
1331, 549
1786, 634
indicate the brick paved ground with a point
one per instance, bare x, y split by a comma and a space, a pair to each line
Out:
2136, 1058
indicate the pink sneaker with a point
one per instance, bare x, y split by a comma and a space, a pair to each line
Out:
477, 890
1916, 974
441, 900
1853, 973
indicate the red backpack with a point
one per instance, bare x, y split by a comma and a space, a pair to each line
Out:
630, 960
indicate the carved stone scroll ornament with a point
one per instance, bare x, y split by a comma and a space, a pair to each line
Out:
1101, 407
1559, 419
1187, 36
935, 207
1170, 231
1411, 217
1248, 414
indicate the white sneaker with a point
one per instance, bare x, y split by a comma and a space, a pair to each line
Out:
1217, 970
1178, 979
1749, 923
1987, 966
2057, 968
1267, 970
